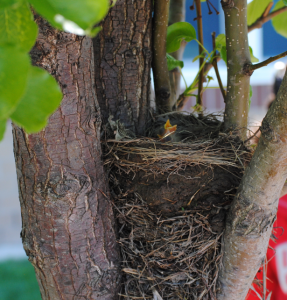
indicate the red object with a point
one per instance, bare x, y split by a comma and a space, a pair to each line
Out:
277, 261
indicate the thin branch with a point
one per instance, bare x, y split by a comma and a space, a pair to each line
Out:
176, 14
267, 10
200, 48
251, 68
257, 24
263, 19
214, 62
160, 70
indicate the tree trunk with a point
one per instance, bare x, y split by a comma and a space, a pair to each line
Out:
68, 224
123, 56
253, 212
68, 227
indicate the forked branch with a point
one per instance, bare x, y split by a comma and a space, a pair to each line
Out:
265, 18
250, 68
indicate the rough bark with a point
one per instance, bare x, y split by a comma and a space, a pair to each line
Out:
237, 96
254, 209
68, 228
123, 56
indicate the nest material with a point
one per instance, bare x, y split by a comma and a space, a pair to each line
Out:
173, 252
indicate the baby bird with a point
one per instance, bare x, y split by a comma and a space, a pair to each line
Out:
168, 132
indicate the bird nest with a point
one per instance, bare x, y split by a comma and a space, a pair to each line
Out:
170, 203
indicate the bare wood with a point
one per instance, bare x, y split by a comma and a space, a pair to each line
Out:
68, 226
250, 219
159, 63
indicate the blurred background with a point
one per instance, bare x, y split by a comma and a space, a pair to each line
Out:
17, 279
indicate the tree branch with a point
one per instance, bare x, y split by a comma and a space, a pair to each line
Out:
255, 25
200, 49
238, 55
250, 68
251, 216
159, 63
176, 14
263, 19
214, 62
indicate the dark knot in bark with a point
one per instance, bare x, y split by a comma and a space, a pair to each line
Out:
227, 4
268, 133
247, 69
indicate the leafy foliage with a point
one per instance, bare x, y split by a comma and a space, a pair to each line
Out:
18, 27
172, 63
41, 98
76, 16
280, 22
14, 67
176, 33
28, 95
255, 10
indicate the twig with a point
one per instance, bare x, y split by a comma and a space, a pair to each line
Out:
263, 19
267, 10
200, 48
214, 62
252, 136
160, 70
251, 68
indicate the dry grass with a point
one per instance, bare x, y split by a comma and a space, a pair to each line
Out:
174, 257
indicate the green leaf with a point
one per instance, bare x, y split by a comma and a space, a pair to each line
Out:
42, 98
7, 3
220, 41
285, 2
17, 26
2, 128
223, 53
44, 8
255, 9
173, 63
14, 67
176, 33
67, 14
252, 57
280, 21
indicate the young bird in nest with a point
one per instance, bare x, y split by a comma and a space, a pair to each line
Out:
168, 133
